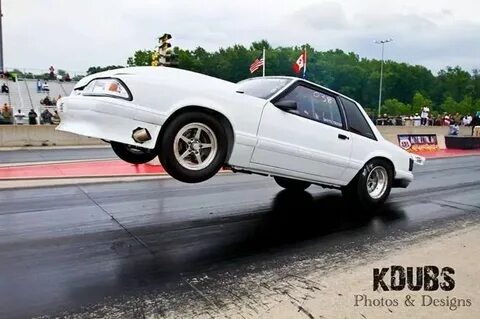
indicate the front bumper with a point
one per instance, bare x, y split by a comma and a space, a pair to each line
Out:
104, 118
401, 183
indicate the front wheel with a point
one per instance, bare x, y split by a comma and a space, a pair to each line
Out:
372, 185
291, 184
133, 154
193, 147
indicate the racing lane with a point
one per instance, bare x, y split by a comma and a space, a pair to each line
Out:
55, 154
64, 248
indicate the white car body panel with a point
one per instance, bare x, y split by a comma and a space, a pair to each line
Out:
295, 146
266, 139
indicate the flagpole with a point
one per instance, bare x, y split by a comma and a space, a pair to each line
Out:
264, 62
305, 66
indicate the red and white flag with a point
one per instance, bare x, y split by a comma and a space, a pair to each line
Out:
257, 64
301, 63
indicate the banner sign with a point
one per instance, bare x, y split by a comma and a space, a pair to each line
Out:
418, 142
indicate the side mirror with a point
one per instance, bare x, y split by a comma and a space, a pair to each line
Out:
286, 105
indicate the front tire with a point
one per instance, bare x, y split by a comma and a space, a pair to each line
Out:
193, 147
291, 184
133, 154
372, 185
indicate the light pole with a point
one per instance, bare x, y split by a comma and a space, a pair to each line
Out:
382, 42
1, 38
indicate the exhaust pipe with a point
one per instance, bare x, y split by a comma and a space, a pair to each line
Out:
141, 135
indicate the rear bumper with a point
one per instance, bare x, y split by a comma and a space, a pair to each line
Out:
103, 118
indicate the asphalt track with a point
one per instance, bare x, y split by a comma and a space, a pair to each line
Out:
62, 154
75, 249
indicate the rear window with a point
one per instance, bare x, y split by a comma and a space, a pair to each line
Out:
263, 88
355, 119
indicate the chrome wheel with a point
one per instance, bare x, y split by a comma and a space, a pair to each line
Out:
195, 146
377, 182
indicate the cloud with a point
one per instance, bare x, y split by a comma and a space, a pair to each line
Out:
77, 34
320, 16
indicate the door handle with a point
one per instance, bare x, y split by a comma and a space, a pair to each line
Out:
343, 137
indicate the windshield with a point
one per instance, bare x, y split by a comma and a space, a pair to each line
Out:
263, 88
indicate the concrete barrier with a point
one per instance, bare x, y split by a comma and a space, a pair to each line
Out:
40, 135
391, 132
45, 135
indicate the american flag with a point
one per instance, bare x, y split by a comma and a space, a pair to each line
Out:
256, 64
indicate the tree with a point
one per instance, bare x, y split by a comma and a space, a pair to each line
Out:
141, 58
406, 87
394, 107
96, 69
449, 105
420, 101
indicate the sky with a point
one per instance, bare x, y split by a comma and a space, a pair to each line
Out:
74, 35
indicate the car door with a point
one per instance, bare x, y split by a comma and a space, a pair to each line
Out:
310, 139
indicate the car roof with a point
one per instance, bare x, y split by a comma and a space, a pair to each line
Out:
297, 79
293, 78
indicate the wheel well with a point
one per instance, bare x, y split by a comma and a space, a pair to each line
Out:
387, 161
221, 118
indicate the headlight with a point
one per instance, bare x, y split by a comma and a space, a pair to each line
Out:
107, 87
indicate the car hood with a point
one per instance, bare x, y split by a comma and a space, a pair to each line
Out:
159, 74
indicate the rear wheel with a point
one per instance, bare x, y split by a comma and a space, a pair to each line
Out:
291, 184
133, 154
193, 147
372, 185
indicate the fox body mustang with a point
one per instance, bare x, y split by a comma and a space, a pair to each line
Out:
289, 128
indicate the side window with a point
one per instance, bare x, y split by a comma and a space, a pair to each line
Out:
356, 121
315, 105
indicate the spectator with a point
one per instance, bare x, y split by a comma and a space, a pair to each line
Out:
454, 128
7, 114
469, 119
46, 117
457, 118
465, 121
46, 101
424, 115
45, 87
56, 118
32, 117
5, 88
475, 121
19, 117
67, 78
446, 119
39, 86
416, 120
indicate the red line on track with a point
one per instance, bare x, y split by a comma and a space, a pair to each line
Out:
120, 168
448, 153
79, 169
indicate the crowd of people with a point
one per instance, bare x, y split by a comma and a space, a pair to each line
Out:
47, 101
46, 117
444, 119
425, 118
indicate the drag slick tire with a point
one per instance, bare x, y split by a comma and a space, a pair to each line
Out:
372, 185
291, 184
133, 154
193, 147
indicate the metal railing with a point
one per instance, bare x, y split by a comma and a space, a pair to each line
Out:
22, 106
63, 88
28, 93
